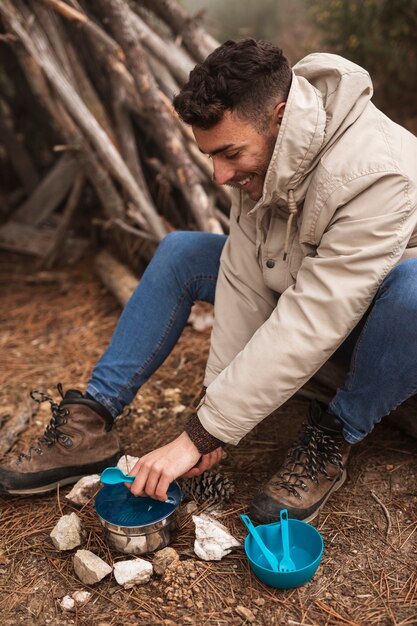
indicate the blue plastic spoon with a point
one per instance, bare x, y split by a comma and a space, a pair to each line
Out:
270, 557
114, 476
286, 563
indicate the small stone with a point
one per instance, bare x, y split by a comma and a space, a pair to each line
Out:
212, 540
259, 601
84, 490
131, 573
190, 508
163, 558
81, 597
89, 567
245, 613
67, 603
127, 462
68, 532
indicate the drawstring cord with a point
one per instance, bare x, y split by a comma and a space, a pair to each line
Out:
292, 207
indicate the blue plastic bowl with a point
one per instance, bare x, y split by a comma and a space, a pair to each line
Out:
306, 548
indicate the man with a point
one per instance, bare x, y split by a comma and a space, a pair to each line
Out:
320, 253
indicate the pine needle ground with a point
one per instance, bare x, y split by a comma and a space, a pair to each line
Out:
54, 327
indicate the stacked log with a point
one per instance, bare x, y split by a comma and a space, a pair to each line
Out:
103, 72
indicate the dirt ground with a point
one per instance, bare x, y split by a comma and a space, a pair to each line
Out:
54, 327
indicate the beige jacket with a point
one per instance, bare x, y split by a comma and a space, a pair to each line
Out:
353, 175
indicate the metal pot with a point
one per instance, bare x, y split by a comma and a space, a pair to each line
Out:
135, 525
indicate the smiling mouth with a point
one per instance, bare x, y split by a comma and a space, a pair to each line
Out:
246, 180
243, 182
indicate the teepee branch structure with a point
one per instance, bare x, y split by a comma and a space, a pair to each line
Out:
97, 80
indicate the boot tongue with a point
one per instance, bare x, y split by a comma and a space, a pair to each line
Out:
73, 394
327, 422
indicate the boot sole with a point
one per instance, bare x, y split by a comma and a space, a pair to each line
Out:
335, 487
44, 488
51, 481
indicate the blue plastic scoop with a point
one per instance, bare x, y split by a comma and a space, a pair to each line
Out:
270, 557
114, 476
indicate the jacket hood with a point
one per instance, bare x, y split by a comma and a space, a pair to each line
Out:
328, 93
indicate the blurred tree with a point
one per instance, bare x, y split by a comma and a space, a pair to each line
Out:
286, 23
380, 35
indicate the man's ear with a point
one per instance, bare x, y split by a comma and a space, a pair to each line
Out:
277, 115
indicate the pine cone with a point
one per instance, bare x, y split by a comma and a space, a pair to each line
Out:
210, 485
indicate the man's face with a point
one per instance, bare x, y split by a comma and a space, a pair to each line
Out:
240, 154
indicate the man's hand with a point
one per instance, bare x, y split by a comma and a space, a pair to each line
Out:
156, 470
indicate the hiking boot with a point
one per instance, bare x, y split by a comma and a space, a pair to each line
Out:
77, 441
313, 468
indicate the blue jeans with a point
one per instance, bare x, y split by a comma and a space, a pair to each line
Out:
381, 349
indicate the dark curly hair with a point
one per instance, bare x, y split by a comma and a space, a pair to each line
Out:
248, 77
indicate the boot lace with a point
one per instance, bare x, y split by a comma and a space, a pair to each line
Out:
52, 434
307, 459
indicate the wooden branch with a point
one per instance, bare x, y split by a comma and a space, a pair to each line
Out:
70, 61
104, 47
25, 239
10, 432
116, 277
166, 82
167, 52
126, 135
166, 134
109, 197
49, 193
61, 232
19, 157
195, 39
106, 44
127, 228
39, 49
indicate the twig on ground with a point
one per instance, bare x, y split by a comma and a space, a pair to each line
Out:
386, 512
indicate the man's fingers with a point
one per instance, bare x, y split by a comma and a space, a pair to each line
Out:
205, 462
151, 483
191, 473
218, 454
162, 489
138, 486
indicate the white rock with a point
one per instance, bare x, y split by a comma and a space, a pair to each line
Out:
84, 490
189, 508
212, 540
89, 567
81, 597
78, 598
127, 462
68, 532
130, 573
67, 603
